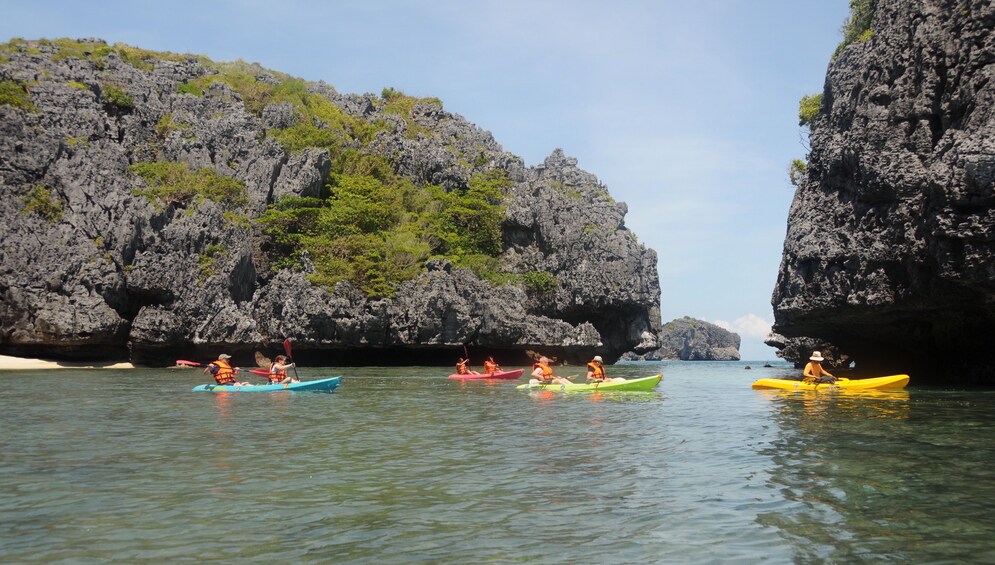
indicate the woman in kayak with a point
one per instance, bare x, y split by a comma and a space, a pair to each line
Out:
490, 366
463, 367
542, 373
814, 373
223, 372
596, 371
278, 371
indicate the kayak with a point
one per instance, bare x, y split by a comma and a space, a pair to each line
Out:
889, 382
498, 375
320, 385
643, 384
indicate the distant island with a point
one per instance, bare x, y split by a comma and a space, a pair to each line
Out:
690, 339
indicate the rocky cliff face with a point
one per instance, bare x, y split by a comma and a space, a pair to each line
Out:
91, 269
688, 339
889, 251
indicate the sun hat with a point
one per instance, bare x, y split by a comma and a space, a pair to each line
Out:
599, 359
224, 356
816, 356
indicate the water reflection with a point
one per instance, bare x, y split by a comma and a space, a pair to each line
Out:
872, 478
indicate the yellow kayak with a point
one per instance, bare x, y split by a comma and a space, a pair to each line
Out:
889, 382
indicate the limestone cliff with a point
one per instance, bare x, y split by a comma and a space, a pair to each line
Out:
94, 268
890, 247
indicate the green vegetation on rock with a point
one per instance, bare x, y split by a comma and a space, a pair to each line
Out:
15, 93
808, 109
797, 172
857, 26
43, 202
116, 97
377, 230
539, 281
175, 183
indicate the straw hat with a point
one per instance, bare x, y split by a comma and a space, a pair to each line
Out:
816, 356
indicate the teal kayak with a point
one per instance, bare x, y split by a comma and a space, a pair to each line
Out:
644, 384
320, 385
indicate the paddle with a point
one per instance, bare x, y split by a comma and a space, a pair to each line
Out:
286, 349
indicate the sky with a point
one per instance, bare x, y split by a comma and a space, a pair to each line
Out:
686, 111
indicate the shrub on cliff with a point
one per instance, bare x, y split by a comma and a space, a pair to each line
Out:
175, 183
377, 230
857, 26
41, 201
15, 93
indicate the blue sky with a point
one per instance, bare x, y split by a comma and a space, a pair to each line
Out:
687, 111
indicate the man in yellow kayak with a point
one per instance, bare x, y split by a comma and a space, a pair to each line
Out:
814, 373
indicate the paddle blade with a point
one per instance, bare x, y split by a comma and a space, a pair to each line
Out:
262, 360
286, 347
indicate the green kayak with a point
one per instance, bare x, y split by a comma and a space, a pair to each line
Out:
644, 384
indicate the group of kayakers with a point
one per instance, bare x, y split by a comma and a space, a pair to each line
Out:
225, 374
542, 371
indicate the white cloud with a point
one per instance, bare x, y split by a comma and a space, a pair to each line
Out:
748, 326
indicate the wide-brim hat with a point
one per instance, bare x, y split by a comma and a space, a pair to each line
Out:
816, 356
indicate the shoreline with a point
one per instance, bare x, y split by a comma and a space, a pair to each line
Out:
9, 363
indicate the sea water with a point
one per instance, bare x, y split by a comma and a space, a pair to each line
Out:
402, 465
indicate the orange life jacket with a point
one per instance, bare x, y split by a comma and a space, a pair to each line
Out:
598, 370
276, 376
547, 371
490, 367
462, 369
225, 374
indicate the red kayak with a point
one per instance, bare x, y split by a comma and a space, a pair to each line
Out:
498, 375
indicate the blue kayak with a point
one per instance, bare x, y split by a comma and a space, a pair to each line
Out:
320, 385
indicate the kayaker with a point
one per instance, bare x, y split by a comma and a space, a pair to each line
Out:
278, 371
223, 372
542, 373
814, 373
490, 366
463, 367
596, 371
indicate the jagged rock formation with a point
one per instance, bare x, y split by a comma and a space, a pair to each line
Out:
689, 339
92, 270
889, 251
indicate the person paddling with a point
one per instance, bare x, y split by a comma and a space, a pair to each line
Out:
223, 372
596, 371
490, 366
542, 373
814, 373
278, 371
463, 367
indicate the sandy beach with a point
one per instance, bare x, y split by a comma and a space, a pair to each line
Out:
19, 363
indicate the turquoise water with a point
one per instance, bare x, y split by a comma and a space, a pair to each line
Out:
401, 465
